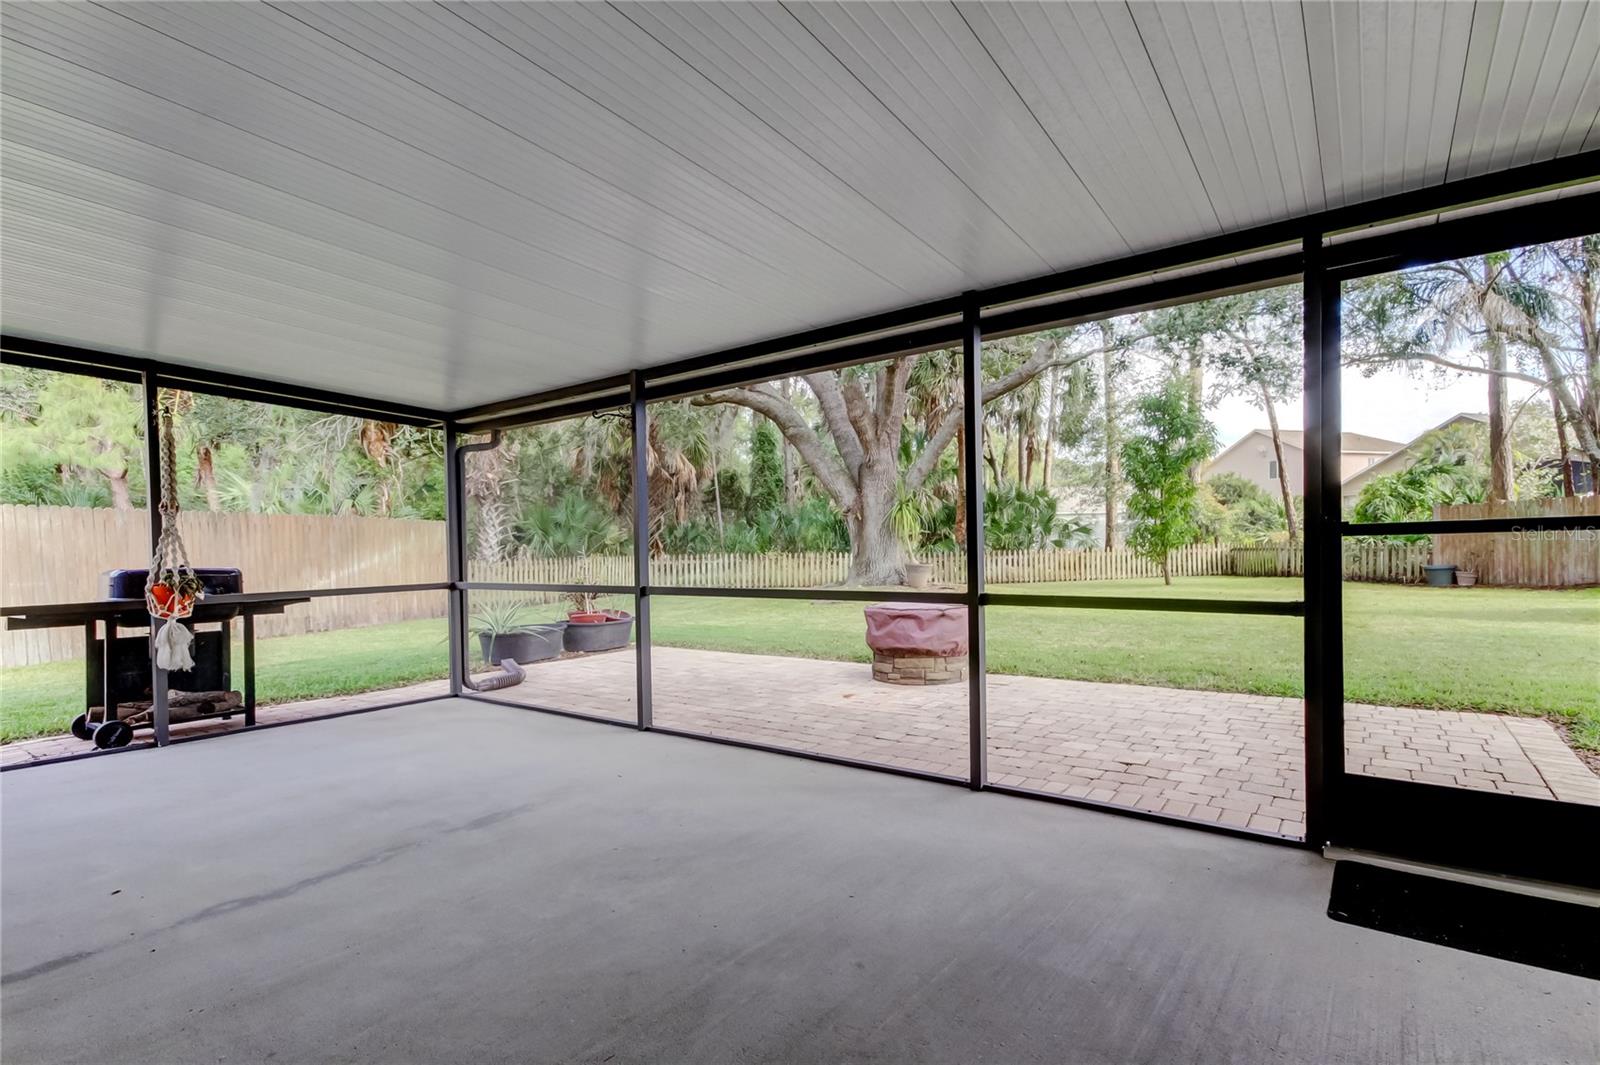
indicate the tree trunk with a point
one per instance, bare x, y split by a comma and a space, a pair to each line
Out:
1113, 442
961, 488
1567, 487
120, 496
1283, 471
1022, 452
1499, 432
876, 557
1166, 569
791, 478
205, 474
1576, 410
716, 494
1197, 396
1050, 425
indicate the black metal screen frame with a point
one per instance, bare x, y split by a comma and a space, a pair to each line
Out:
152, 375
1508, 834
1409, 819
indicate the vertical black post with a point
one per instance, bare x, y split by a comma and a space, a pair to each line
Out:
455, 535
972, 454
89, 659
1324, 549
641, 543
153, 487
249, 669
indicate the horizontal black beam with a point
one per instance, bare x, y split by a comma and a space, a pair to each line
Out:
1278, 608
330, 593
1457, 238
1469, 526
945, 334
847, 595
1283, 608
836, 333
554, 412
511, 411
49, 355
58, 365
1258, 273
523, 586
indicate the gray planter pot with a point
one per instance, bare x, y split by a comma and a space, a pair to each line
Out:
598, 635
539, 644
1438, 576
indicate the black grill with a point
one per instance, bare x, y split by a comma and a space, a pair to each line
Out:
129, 583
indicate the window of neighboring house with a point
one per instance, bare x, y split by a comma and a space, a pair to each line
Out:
1272, 469
1372, 460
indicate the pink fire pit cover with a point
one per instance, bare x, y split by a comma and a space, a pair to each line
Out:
917, 629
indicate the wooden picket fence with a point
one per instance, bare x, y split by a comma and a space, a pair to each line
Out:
1554, 558
1363, 562
60, 554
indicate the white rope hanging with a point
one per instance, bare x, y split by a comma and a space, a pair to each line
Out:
171, 588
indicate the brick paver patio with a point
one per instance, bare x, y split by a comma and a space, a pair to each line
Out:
1213, 756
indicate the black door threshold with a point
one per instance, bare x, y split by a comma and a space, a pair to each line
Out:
1544, 932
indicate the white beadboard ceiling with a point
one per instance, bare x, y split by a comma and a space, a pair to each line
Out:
445, 205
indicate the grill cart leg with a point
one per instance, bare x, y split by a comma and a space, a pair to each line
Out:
249, 670
81, 727
108, 672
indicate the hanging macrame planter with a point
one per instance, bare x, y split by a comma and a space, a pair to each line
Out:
172, 587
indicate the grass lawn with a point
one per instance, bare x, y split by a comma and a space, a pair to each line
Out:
1515, 650
40, 700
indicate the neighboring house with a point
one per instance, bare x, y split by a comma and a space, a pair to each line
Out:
1399, 459
1084, 507
1253, 458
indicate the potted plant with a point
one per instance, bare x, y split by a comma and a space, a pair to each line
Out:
174, 592
592, 629
1438, 574
506, 630
906, 518
583, 610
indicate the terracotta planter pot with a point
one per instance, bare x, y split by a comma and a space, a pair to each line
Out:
169, 604
590, 617
607, 634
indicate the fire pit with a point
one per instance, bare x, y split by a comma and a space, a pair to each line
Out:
917, 643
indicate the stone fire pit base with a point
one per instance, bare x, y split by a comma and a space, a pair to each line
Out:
918, 669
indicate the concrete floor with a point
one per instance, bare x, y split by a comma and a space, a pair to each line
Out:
457, 882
